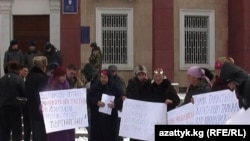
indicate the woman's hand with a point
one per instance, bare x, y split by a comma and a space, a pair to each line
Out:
100, 104
168, 101
124, 97
111, 105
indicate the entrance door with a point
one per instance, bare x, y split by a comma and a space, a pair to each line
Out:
27, 28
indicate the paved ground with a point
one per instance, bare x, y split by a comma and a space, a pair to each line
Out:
82, 135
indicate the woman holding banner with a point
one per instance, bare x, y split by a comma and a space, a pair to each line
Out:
163, 91
138, 86
198, 83
58, 82
238, 80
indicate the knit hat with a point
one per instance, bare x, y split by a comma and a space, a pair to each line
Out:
195, 71
105, 72
140, 69
112, 68
220, 61
13, 42
59, 71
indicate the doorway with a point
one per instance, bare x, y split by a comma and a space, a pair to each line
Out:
31, 28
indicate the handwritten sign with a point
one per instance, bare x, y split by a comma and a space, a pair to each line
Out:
182, 115
64, 109
240, 118
138, 119
106, 99
215, 107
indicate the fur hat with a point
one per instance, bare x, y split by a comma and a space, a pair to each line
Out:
112, 68
59, 71
140, 69
220, 61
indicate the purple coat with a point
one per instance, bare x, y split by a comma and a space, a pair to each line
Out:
65, 135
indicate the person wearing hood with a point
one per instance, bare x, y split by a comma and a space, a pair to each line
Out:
104, 126
238, 80
13, 54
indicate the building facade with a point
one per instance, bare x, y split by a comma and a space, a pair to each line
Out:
172, 34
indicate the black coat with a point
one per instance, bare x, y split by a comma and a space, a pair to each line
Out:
103, 126
11, 86
35, 83
137, 89
231, 72
163, 91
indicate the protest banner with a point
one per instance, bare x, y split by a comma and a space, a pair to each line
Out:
215, 107
183, 115
138, 119
64, 109
240, 118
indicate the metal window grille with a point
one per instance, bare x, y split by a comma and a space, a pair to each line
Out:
114, 38
196, 39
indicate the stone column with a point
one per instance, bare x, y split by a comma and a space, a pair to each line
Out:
5, 29
55, 22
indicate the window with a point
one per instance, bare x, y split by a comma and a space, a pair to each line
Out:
114, 34
197, 38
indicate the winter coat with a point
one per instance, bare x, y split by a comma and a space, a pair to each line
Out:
28, 57
64, 135
35, 82
138, 90
12, 87
103, 126
231, 72
200, 88
96, 58
218, 84
163, 91
13, 55
54, 58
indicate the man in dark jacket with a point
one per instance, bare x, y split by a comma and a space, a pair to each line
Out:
237, 79
32, 52
13, 54
11, 96
53, 55
35, 83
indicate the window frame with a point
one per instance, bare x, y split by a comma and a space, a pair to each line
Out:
211, 37
130, 47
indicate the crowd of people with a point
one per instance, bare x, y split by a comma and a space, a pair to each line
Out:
28, 74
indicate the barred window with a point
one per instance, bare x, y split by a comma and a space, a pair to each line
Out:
114, 38
196, 38
114, 34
